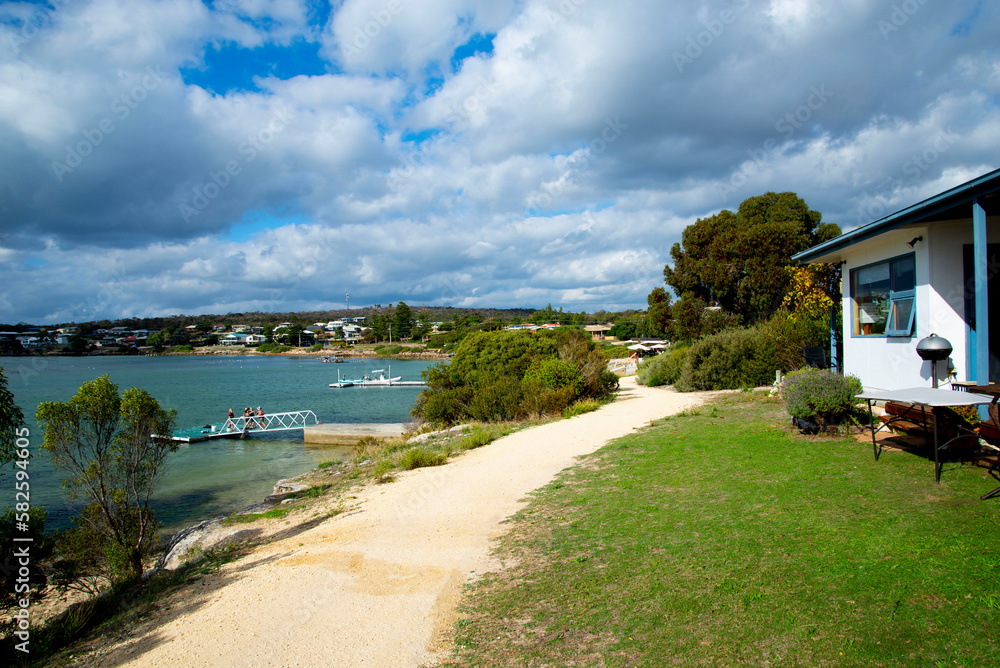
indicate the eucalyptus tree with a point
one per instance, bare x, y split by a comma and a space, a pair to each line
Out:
114, 449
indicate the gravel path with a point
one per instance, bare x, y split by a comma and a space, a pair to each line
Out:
378, 586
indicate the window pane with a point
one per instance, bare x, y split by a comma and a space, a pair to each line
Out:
900, 314
870, 291
904, 274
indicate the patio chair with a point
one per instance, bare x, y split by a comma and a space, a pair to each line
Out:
990, 438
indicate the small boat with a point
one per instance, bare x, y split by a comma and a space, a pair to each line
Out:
377, 378
332, 360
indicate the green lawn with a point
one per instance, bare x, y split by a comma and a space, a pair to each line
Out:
723, 538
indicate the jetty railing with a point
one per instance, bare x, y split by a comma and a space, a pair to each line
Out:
269, 422
623, 365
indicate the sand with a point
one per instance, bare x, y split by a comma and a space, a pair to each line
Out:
379, 585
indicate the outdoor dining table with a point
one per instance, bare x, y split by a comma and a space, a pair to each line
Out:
923, 398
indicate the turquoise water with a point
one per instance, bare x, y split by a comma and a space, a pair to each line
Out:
222, 476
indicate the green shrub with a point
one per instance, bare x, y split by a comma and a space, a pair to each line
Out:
729, 360
553, 374
477, 437
501, 376
783, 338
497, 401
820, 397
581, 407
664, 369
418, 457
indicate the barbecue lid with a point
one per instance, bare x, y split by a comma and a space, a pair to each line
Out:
934, 348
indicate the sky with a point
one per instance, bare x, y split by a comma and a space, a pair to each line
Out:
163, 157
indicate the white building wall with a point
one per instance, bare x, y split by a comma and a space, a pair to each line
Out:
892, 362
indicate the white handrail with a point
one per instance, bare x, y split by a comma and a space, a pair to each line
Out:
269, 422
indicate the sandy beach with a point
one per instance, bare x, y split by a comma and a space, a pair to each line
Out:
378, 585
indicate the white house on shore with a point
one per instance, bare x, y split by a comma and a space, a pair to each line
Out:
242, 339
925, 269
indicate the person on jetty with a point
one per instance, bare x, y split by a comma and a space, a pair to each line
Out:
230, 425
260, 418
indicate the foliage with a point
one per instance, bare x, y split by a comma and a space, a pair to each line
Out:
554, 374
402, 322
813, 289
738, 260
663, 369
508, 375
623, 330
659, 312
819, 396
729, 360
11, 419
581, 407
692, 319
613, 352
272, 348
785, 334
106, 443
418, 457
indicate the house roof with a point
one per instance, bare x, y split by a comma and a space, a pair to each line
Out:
953, 204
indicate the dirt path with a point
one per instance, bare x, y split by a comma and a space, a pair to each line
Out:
378, 586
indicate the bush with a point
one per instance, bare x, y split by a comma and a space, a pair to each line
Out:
664, 369
554, 374
820, 397
416, 458
500, 376
729, 360
783, 337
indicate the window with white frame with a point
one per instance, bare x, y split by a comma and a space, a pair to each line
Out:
883, 296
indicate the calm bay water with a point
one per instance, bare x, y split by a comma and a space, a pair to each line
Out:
217, 477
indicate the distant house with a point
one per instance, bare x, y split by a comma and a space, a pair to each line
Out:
926, 269
242, 339
599, 332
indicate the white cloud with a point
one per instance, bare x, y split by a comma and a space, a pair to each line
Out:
559, 168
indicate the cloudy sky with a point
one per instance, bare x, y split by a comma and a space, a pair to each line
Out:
188, 156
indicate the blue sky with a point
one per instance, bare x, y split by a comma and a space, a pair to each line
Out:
241, 155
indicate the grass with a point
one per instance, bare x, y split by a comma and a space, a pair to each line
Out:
723, 538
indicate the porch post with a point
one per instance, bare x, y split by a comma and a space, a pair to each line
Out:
982, 361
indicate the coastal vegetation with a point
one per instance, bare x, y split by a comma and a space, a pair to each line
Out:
514, 375
722, 537
113, 448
